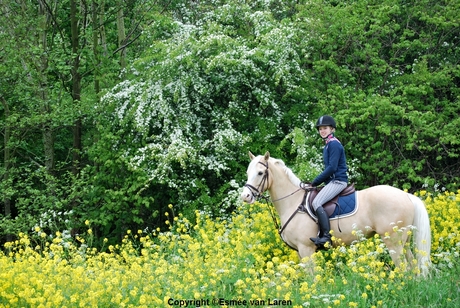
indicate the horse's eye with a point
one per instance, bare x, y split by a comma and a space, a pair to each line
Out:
261, 173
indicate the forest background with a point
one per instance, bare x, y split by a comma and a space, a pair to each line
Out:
117, 111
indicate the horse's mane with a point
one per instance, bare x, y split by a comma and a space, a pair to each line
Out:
291, 176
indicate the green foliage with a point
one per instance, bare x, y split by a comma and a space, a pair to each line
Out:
38, 109
178, 126
392, 88
208, 81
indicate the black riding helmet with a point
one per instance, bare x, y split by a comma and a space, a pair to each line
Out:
325, 120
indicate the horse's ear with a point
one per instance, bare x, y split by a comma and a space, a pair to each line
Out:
267, 155
251, 156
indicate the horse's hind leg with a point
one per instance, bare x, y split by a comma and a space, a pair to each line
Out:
395, 243
396, 252
409, 255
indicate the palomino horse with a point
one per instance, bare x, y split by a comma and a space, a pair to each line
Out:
382, 209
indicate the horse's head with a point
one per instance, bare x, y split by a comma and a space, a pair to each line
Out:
258, 178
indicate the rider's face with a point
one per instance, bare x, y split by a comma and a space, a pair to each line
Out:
325, 131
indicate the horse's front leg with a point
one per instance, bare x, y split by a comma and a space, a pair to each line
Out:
306, 251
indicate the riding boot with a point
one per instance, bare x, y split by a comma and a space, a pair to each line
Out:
324, 229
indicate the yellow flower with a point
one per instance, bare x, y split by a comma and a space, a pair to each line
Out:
260, 265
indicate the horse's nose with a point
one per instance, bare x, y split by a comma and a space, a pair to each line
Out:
246, 195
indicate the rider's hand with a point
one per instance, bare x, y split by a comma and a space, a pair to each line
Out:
305, 186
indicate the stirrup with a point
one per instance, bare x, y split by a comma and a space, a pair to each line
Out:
321, 241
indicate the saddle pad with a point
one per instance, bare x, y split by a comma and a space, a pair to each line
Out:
346, 205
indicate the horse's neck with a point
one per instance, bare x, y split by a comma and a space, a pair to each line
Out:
285, 195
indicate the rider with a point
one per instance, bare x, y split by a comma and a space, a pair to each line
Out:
334, 176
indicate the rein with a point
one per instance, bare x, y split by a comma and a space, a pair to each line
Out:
256, 193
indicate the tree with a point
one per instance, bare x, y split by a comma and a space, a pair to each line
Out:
177, 130
389, 72
48, 97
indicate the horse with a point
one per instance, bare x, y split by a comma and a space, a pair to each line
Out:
382, 209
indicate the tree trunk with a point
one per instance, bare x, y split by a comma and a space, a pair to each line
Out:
121, 35
94, 9
47, 129
6, 164
102, 29
76, 87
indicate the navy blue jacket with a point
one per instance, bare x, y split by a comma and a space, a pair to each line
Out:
334, 163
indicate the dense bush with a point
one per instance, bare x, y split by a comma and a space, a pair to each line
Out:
170, 121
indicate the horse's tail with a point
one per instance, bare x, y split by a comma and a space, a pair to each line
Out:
422, 236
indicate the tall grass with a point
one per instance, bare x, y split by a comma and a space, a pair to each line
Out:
239, 261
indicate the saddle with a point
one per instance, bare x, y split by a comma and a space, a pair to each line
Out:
330, 206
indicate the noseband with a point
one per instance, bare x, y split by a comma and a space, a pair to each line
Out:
258, 191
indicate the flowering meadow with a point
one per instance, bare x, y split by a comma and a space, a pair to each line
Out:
238, 261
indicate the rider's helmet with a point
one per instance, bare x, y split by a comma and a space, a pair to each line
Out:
325, 120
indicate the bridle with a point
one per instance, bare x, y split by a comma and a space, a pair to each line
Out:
258, 191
